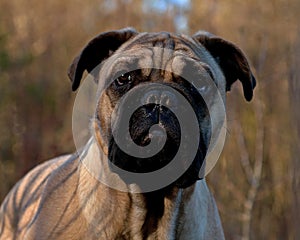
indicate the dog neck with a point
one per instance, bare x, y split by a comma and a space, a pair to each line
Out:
154, 215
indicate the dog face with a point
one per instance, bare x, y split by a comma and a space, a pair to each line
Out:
144, 72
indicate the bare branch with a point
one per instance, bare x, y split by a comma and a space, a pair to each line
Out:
244, 154
257, 171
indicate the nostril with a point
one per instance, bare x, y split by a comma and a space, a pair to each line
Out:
151, 97
168, 99
164, 98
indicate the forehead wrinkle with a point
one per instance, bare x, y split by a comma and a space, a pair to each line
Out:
166, 47
156, 43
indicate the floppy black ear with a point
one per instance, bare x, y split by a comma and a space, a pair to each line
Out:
231, 59
96, 51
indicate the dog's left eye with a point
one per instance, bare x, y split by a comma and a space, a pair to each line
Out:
123, 79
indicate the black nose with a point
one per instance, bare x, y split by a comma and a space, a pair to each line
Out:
164, 98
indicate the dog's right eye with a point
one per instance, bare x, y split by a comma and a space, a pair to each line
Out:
124, 79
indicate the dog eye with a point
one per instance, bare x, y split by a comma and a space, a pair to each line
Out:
208, 70
123, 79
204, 90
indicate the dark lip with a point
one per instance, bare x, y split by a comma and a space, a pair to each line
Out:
142, 137
135, 165
156, 135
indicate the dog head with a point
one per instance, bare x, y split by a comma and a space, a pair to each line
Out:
144, 72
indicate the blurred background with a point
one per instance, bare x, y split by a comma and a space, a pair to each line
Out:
256, 181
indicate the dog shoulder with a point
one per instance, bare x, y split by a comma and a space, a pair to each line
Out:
21, 204
210, 222
203, 220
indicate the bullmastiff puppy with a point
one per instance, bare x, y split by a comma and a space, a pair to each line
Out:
71, 197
